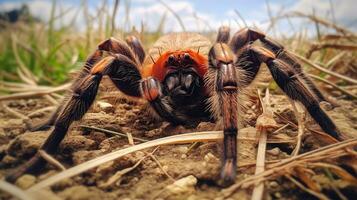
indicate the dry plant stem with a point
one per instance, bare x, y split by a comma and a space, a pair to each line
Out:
116, 177
334, 86
281, 167
14, 112
51, 160
113, 133
281, 128
33, 94
333, 186
177, 139
42, 110
241, 18
130, 138
343, 174
301, 186
316, 47
342, 30
329, 138
115, 9
161, 168
301, 126
348, 79
174, 13
14, 191
24, 73
260, 166
334, 60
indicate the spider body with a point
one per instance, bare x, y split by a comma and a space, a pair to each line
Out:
179, 61
183, 77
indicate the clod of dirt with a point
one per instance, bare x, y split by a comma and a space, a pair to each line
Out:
83, 193
25, 181
82, 156
11, 128
26, 145
110, 144
184, 185
104, 106
77, 143
206, 126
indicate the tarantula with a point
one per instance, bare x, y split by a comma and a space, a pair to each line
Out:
185, 77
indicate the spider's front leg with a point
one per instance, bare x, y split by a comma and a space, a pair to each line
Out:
222, 80
121, 65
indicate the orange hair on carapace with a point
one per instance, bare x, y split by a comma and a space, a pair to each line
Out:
158, 68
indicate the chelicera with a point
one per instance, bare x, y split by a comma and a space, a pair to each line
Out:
185, 77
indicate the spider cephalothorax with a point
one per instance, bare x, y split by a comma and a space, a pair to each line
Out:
185, 77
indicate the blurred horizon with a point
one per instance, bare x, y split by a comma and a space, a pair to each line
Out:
51, 38
197, 16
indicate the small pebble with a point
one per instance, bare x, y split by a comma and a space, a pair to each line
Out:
277, 195
25, 181
275, 151
274, 184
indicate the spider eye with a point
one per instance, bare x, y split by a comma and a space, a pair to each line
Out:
186, 56
170, 59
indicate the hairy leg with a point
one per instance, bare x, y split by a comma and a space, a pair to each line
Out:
222, 78
293, 85
83, 93
240, 45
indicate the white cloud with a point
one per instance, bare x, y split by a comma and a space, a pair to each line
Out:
42, 10
150, 12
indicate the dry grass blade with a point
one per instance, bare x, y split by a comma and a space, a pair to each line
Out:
320, 21
305, 175
174, 13
260, 166
33, 94
161, 168
177, 139
301, 186
14, 191
51, 160
14, 112
281, 168
23, 68
114, 133
319, 46
348, 79
116, 177
334, 86
115, 9
241, 18
184, 138
343, 174
300, 116
42, 110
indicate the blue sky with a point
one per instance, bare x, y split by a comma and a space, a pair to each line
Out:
197, 13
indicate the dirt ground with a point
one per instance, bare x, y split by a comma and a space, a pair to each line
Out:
195, 165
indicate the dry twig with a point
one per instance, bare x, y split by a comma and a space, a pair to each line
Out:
51, 160
348, 79
260, 166
282, 168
